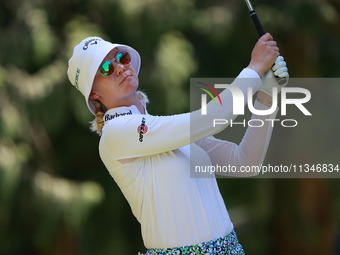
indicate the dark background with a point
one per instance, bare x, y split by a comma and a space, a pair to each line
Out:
56, 197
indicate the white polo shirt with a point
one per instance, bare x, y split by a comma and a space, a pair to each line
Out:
149, 158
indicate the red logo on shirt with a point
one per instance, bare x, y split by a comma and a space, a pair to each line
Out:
142, 129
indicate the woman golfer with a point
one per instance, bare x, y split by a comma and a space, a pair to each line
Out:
149, 156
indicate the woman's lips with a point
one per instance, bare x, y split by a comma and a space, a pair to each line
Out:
125, 78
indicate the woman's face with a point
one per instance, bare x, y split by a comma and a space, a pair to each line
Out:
117, 89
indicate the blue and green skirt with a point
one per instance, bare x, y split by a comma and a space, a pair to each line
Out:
221, 246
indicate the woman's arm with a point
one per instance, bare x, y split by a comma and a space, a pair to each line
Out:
264, 98
164, 133
249, 153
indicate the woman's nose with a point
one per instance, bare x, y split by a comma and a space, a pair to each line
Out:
119, 68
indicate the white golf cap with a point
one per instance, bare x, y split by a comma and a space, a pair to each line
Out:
85, 61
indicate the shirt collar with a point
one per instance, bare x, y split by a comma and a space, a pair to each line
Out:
123, 111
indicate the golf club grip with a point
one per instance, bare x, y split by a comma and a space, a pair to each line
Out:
257, 23
260, 31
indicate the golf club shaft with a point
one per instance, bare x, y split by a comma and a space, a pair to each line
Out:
255, 19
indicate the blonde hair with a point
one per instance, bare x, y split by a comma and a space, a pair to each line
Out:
98, 123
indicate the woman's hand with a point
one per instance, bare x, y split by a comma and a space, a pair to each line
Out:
264, 54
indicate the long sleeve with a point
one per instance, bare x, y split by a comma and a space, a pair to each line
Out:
250, 152
136, 135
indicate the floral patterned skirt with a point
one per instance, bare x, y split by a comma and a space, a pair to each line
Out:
225, 245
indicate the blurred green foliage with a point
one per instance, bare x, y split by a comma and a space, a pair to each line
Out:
56, 196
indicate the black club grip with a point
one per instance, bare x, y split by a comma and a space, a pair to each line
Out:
257, 23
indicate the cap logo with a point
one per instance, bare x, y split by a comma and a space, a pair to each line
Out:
77, 78
90, 42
